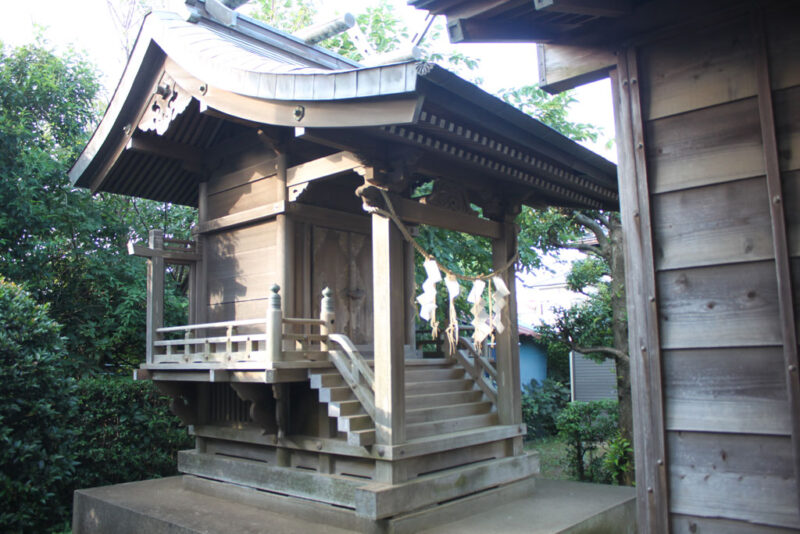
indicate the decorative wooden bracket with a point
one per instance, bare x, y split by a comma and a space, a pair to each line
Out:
168, 102
261, 412
183, 401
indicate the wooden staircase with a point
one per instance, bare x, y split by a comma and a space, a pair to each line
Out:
441, 397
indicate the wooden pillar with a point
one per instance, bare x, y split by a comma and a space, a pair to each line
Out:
509, 400
200, 294
389, 310
155, 292
410, 289
640, 287
285, 243
327, 314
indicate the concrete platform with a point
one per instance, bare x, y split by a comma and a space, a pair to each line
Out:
190, 505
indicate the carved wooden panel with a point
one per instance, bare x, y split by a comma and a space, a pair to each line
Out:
343, 261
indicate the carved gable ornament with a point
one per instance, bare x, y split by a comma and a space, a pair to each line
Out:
168, 101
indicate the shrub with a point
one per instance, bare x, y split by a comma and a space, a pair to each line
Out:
584, 426
541, 404
126, 432
617, 460
37, 399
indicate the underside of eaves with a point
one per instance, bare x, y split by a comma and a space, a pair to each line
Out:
196, 93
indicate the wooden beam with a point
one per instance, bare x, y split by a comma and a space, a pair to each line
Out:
322, 168
563, 67
779, 235
643, 328
415, 212
388, 293
596, 8
490, 31
338, 220
241, 218
378, 500
191, 157
169, 256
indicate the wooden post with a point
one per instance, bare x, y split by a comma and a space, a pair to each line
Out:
389, 332
155, 292
409, 302
200, 294
285, 241
649, 443
509, 408
274, 326
327, 313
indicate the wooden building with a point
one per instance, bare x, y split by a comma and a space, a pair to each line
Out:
707, 104
290, 387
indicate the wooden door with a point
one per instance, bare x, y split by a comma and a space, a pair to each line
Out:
342, 260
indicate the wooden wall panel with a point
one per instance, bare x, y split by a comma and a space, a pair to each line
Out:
721, 223
722, 306
682, 524
706, 146
726, 390
241, 269
736, 476
244, 197
242, 168
787, 123
791, 194
731, 461
783, 45
710, 68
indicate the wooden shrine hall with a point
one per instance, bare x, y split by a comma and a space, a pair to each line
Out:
298, 370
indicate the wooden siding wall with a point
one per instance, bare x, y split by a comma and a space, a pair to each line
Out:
727, 419
242, 262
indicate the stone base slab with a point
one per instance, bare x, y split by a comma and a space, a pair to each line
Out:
193, 505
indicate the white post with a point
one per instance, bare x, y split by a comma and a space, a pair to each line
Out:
155, 293
274, 344
327, 313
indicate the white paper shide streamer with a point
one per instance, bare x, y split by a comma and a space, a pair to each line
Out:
480, 319
453, 290
427, 299
499, 301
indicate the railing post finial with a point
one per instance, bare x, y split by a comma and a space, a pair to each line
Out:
327, 314
274, 326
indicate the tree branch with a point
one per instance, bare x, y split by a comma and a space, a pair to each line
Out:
616, 354
596, 228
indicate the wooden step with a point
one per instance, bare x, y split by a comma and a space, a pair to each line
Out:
442, 399
345, 407
438, 413
328, 379
439, 386
336, 394
415, 374
361, 438
456, 424
349, 423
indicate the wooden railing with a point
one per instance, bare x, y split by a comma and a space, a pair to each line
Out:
271, 339
355, 370
478, 366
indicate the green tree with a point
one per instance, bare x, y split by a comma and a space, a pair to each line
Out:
37, 452
63, 246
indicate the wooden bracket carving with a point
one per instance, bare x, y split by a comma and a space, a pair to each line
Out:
261, 412
168, 101
281, 408
449, 195
183, 401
